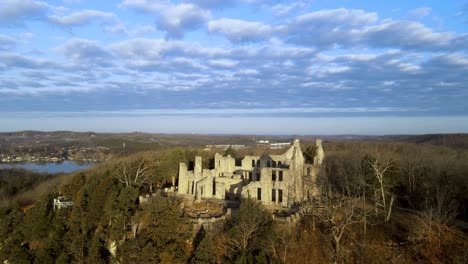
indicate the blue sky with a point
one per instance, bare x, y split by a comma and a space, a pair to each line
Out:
234, 66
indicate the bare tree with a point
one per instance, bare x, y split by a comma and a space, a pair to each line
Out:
379, 170
441, 203
247, 223
410, 168
134, 172
338, 208
339, 212
430, 237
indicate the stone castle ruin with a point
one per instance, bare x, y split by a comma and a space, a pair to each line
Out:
282, 180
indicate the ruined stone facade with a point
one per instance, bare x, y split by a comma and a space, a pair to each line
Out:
282, 180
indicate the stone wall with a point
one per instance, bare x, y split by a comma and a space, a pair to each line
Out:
282, 180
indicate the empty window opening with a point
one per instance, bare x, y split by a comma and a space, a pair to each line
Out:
280, 196
192, 187
273, 195
268, 163
191, 165
280, 178
214, 187
273, 175
259, 194
211, 164
250, 176
253, 163
279, 163
259, 175
273, 163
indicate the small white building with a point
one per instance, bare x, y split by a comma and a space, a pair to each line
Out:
60, 203
280, 145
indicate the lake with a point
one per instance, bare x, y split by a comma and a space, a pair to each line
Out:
66, 166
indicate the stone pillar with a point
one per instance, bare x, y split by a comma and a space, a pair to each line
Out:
198, 194
320, 154
198, 165
296, 170
197, 170
183, 187
209, 186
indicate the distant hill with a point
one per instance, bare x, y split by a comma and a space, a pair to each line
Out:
144, 141
449, 140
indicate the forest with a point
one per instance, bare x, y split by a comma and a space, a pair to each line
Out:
380, 202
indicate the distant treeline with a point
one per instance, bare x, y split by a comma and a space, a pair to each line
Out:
14, 182
420, 176
446, 140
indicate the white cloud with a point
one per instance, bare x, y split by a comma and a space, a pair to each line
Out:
223, 63
325, 28
286, 9
15, 12
350, 28
47, 90
14, 60
122, 29
419, 13
214, 3
150, 49
407, 34
86, 53
141, 30
248, 72
223, 3
340, 16
82, 17
6, 42
239, 30
341, 28
174, 19
451, 60
179, 18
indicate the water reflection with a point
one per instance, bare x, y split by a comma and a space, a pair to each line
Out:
66, 166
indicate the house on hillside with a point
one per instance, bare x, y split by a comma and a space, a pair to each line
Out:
282, 180
60, 203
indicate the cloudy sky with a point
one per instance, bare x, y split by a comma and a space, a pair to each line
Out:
234, 66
